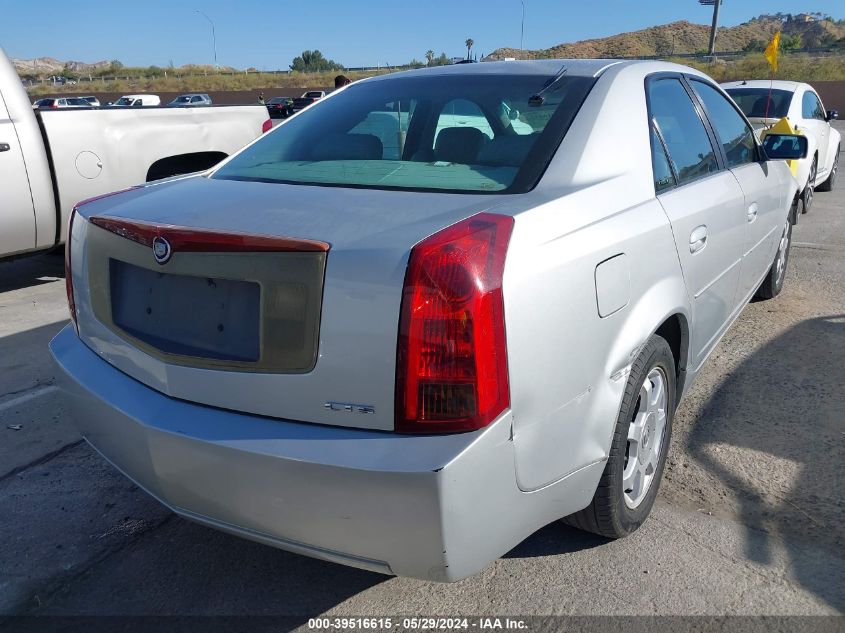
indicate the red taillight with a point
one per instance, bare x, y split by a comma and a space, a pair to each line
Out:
68, 278
267, 126
451, 365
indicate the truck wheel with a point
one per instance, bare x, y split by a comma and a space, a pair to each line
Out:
811, 185
828, 184
631, 477
773, 283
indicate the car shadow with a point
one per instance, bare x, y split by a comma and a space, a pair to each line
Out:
32, 270
784, 462
554, 539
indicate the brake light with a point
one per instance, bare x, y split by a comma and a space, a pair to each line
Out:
71, 304
451, 365
267, 126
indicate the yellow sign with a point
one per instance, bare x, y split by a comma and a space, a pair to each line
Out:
772, 51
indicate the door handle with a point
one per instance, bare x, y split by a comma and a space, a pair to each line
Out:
698, 239
5, 147
751, 213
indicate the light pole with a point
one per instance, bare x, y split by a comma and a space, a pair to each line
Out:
716, 4
522, 27
213, 34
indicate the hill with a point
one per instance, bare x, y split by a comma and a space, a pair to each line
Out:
49, 65
684, 37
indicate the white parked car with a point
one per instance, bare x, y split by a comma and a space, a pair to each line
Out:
408, 357
766, 102
136, 101
51, 102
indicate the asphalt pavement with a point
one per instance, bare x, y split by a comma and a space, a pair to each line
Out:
749, 520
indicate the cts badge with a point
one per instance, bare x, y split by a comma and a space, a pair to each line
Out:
161, 249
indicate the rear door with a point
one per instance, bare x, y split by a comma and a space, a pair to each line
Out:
704, 204
813, 115
17, 213
760, 183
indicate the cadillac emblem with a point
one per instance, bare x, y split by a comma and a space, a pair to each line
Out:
161, 249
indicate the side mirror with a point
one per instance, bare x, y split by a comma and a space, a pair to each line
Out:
832, 115
785, 146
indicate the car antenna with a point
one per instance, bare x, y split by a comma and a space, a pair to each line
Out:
538, 99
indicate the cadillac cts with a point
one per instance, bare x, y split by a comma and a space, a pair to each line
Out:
430, 314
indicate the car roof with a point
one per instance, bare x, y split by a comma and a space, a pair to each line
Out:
778, 84
543, 67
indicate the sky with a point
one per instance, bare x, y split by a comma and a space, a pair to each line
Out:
267, 35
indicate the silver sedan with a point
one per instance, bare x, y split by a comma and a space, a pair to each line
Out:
430, 314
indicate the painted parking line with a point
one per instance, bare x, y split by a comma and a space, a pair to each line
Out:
26, 397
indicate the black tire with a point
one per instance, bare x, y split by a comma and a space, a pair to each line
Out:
809, 190
828, 184
797, 209
773, 283
608, 513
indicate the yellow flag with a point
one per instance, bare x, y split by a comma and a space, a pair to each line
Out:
772, 50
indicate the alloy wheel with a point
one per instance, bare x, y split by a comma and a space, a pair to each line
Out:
783, 252
645, 438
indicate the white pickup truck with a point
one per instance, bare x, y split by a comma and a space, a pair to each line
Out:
52, 159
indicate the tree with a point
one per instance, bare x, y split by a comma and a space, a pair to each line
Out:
442, 60
469, 44
429, 56
791, 42
114, 66
314, 62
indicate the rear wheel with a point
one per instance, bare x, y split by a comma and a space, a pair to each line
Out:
809, 190
828, 184
773, 283
631, 477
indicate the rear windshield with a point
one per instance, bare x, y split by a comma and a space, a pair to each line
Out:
755, 101
461, 133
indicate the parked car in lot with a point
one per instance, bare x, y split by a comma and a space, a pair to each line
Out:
78, 102
408, 357
56, 155
766, 102
136, 101
280, 107
307, 98
190, 100
50, 102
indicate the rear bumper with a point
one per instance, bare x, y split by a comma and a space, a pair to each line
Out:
436, 508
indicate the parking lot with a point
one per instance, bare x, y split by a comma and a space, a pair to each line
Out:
749, 519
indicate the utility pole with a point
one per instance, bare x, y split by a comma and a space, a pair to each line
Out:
213, 34
522, 28
716, 4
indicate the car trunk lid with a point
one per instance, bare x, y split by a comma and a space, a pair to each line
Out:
305, 332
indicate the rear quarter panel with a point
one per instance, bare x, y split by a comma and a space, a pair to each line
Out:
568, 366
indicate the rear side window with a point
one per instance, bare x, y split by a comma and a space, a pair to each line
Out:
734, 133
811, 107
677, 120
